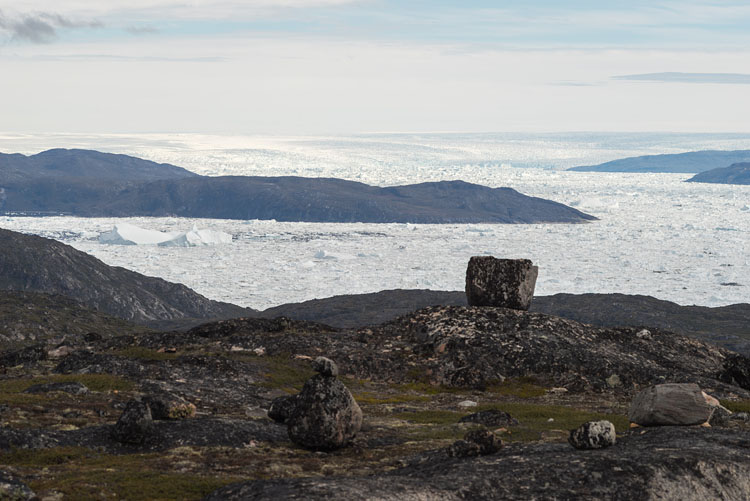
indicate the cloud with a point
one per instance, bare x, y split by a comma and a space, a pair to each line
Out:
702, 78
40, 27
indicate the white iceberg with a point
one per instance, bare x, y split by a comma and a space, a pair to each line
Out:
129, 234
196, 237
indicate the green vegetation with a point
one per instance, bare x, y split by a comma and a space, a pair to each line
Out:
144, 353
285, 373
373, 398
737, 405
94, 382
82, 474
431, 417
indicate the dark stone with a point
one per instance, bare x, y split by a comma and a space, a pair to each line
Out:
326, 367
92, 337
13, 489
671, 404
593, 435
282, 408
736, 371
476, 443
507, 283
23, 356
74, 388
326, 416
164, 406
135, 424
492, 417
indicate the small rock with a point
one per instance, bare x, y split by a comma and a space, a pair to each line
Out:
61, 351
644, 334
74, 388
165, 406
593, 435
491, 417
282, 408
92, 337
467, 403
476, 443
740, 416
670, 404
613, 381
326, 416
135, 424
325, 367
507, 283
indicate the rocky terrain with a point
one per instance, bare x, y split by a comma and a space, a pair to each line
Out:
37, 264
93, 184
738, 173
446, 402
690, 162
417, 380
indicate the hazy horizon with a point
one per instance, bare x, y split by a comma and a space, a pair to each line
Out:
333, 67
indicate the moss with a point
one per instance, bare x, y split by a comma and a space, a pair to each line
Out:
524, 387
534, 419
373, 398
737, 405
94, 382
285, 373
83, 474
431, 417
143, 353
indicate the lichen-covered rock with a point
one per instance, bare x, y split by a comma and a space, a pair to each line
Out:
165, 406
12, 489
476, 443
326, 367
671, 404
135, 424
72, 387
326, 416
282, 408
508, 283
593, 435
492, 417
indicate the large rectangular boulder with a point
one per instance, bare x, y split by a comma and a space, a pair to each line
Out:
671, 404
507, 283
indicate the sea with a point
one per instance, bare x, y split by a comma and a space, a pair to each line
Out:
655, 235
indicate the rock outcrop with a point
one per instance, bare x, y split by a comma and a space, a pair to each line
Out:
325, 416
31, 263
506, 283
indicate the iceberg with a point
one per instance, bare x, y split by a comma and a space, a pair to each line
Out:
128, 234
196, 237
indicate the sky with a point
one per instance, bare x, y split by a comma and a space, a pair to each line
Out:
357, 66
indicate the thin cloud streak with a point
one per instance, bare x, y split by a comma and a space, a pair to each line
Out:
41, 27
695, 78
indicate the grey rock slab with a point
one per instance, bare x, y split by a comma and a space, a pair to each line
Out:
492, 417
13, 489
670, 404
507, 283
685, 463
